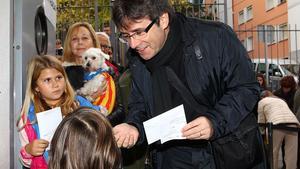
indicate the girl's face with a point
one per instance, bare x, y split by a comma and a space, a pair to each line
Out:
81, 40
260, 80
51, 85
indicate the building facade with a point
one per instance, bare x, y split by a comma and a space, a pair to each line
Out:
263, 27
268, 28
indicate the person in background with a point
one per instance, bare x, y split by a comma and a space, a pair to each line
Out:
107, 29
59, 49
104, 42
297, 100
272, 109
287, 90
262, 82
80, 37
209, 60
297, 112
84, 140
47, 87
105, 45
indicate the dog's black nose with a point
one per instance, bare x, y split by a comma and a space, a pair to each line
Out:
88, 64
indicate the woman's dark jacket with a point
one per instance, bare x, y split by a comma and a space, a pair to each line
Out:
218, 73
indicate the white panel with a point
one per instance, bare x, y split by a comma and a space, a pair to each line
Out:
294, 22
5, 81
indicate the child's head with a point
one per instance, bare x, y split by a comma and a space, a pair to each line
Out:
47, 86
84, 139
46, 80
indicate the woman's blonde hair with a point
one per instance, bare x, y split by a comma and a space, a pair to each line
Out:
84, 139
67, 55
34, 69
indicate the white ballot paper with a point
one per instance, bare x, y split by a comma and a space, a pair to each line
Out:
166, 126
48, 122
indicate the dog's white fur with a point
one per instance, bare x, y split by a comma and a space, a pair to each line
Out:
93, 59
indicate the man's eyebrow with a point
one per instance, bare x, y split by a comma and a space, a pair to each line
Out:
134, 30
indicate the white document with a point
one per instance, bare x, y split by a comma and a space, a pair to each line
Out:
166, 126
48, 122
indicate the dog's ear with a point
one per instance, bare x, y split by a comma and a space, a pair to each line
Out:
97, 50
106, 56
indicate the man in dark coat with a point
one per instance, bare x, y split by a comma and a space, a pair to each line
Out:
209, 60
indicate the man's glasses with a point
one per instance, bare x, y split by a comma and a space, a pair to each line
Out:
138, 35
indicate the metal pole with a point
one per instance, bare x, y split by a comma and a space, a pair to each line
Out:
270, 145
113, 37
296, 44
266, 57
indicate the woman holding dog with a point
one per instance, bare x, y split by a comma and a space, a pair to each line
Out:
47, 87
80, 37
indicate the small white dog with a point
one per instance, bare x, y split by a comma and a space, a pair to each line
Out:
94, 63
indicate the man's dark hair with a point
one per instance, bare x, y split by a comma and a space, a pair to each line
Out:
124, 10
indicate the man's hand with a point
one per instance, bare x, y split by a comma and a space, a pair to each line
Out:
37, 147
200, 128
126, 135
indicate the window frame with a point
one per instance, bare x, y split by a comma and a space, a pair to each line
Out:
249, 17
241, 17
283, 33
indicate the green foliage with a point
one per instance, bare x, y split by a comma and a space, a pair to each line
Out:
71, 11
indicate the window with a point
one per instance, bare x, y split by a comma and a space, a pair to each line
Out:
270, 34
261, 68
273, 3
249, 43
249, 13
283, 32
281, 1
274, 70
269, 4
241, 17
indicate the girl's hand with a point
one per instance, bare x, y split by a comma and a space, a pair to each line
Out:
36, 147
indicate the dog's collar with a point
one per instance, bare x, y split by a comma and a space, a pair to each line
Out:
90, 75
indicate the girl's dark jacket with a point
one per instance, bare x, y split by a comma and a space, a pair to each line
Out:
218, 72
